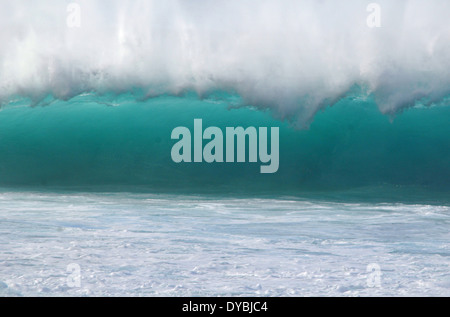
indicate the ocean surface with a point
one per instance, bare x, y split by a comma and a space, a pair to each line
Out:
129, 244
90, 185
92, 203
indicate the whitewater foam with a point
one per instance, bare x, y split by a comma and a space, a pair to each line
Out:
169, 245
294, 57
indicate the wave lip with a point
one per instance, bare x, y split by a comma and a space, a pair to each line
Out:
294, 57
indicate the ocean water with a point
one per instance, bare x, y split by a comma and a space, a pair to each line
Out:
92, 204
129, 244
122, 141
92, 185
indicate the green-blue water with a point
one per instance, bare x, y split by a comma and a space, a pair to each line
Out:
120, 142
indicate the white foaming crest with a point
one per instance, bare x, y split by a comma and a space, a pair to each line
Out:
293, 57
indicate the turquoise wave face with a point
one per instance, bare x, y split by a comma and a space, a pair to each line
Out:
120, 142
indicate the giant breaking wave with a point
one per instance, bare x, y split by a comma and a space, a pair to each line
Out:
294, 57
